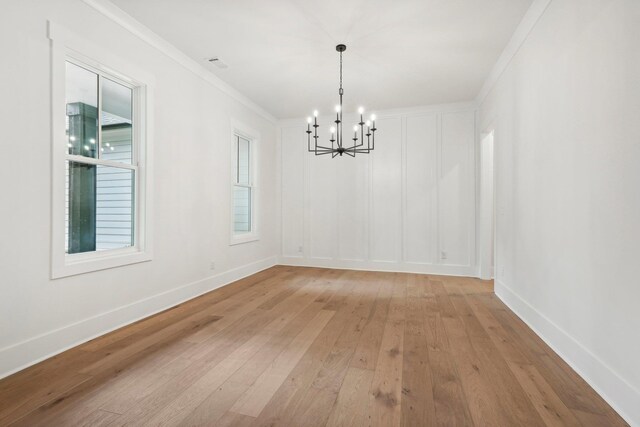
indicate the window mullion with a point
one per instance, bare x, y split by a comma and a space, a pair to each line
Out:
99, 114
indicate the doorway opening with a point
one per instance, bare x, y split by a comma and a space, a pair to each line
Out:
487, 207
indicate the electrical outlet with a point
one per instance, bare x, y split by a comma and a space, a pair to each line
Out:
212, 266
443, 255
300, 249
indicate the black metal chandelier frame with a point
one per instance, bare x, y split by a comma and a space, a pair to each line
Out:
338, 147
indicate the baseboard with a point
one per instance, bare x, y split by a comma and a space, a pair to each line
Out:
19, 356
400, 267
622, 396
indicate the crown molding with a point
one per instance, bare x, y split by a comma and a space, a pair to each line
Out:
520, 35
139, 30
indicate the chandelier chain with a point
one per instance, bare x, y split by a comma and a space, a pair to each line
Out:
340, 70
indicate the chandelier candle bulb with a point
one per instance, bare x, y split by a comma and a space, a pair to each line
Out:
315, 113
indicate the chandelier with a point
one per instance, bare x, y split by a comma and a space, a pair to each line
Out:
338, 146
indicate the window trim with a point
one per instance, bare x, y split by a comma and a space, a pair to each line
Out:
65, 46
243, 131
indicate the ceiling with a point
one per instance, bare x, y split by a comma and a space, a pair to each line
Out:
281, 53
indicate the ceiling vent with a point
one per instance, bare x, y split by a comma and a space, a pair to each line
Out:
218, 62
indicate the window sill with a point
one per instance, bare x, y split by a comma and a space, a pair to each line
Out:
76, 264
243, 238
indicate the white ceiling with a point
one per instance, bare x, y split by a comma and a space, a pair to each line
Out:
281, 53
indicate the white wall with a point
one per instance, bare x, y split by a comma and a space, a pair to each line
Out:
398, 208
191, 186
567, 142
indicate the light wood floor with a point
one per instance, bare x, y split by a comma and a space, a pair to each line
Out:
314, 347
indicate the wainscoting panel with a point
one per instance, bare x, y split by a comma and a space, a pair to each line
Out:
385, 231
292, 151
421, 190
456, 195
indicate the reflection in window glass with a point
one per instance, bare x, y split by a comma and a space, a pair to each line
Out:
82, 111
115, 121
242, 209
242, 162
100, 207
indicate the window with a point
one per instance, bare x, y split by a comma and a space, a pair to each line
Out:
100, 165
99, 196
244, 190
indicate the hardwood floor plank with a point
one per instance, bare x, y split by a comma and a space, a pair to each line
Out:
350, 408
451, 405
418, 407
484, 405
258, 395
546, 402
386, 386
366, 354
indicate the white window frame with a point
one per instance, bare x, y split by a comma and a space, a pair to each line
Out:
68, 47
243, 131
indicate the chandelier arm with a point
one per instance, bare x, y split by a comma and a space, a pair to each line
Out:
322, 153
355, 145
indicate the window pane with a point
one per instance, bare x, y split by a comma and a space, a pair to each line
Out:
82, 111
243, 160
116, 119
241, 209
100, 207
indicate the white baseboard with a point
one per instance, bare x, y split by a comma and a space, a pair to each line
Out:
19, 356
618, 393
400, 267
